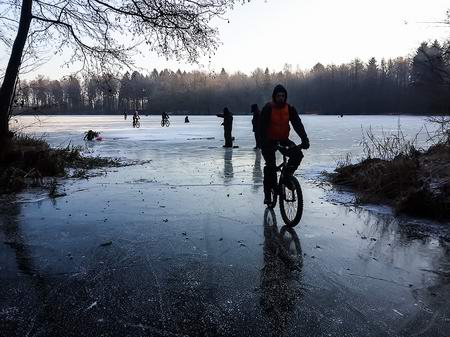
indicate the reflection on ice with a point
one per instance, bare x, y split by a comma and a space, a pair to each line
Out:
228, 165
189, 254
257, 171
281, 286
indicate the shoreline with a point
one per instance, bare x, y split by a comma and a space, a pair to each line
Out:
417, 184
86, 114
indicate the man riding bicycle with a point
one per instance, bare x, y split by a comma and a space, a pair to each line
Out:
275, 118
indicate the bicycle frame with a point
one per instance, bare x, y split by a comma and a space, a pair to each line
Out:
288, 191
280, 168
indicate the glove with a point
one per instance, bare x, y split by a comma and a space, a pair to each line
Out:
305, 144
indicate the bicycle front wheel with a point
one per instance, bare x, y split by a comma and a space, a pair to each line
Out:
167, 123
291, 202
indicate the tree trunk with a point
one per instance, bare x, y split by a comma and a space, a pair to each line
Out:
12, 70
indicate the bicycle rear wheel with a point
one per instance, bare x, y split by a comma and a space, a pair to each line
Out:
291, 202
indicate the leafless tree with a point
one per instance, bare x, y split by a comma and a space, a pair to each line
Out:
94, 31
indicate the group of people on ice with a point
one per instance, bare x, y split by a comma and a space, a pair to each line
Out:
164, 118
271, 127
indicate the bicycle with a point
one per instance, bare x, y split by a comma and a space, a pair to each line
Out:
136, 124
165, 122
289, 191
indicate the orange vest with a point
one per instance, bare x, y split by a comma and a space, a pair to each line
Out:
279, 123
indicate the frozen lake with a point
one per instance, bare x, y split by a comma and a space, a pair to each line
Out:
183, 246
331, 137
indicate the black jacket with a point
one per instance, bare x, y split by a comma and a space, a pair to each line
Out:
227, 119
256, 120
293, 118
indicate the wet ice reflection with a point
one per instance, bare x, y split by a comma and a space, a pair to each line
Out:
281, 274
183, 245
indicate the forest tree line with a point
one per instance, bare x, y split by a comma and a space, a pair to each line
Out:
410, 85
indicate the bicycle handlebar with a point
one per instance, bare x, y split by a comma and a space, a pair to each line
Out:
281, 147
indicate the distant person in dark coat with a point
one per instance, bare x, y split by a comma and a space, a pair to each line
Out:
227, 126
186, 119
256, 121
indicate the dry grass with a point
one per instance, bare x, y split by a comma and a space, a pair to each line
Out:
27, 161
395, 172
387, 146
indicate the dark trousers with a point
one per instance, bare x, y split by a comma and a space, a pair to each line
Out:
257, 139
227, 135
268, 150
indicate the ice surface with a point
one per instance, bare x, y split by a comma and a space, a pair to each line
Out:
183, 246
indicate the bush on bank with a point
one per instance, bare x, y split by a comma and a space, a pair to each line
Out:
27, 161
413, 182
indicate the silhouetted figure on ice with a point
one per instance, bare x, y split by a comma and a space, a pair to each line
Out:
227, 126
275, 118
165, 119
136, 119
91, 135
186, 119
256, 121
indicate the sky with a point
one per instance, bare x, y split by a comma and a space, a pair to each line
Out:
272, 33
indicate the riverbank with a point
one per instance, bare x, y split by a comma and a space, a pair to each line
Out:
28, 161
417, 183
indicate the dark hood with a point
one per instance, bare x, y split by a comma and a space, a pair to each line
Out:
277, 89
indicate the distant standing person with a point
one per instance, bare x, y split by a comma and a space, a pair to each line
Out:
125, 115
186, 119
227, 126
256, 120
136, 118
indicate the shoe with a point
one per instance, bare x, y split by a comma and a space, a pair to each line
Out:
289, 184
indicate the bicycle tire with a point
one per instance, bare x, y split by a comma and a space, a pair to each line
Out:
162, 123
138, 124
296, 200
167, 123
